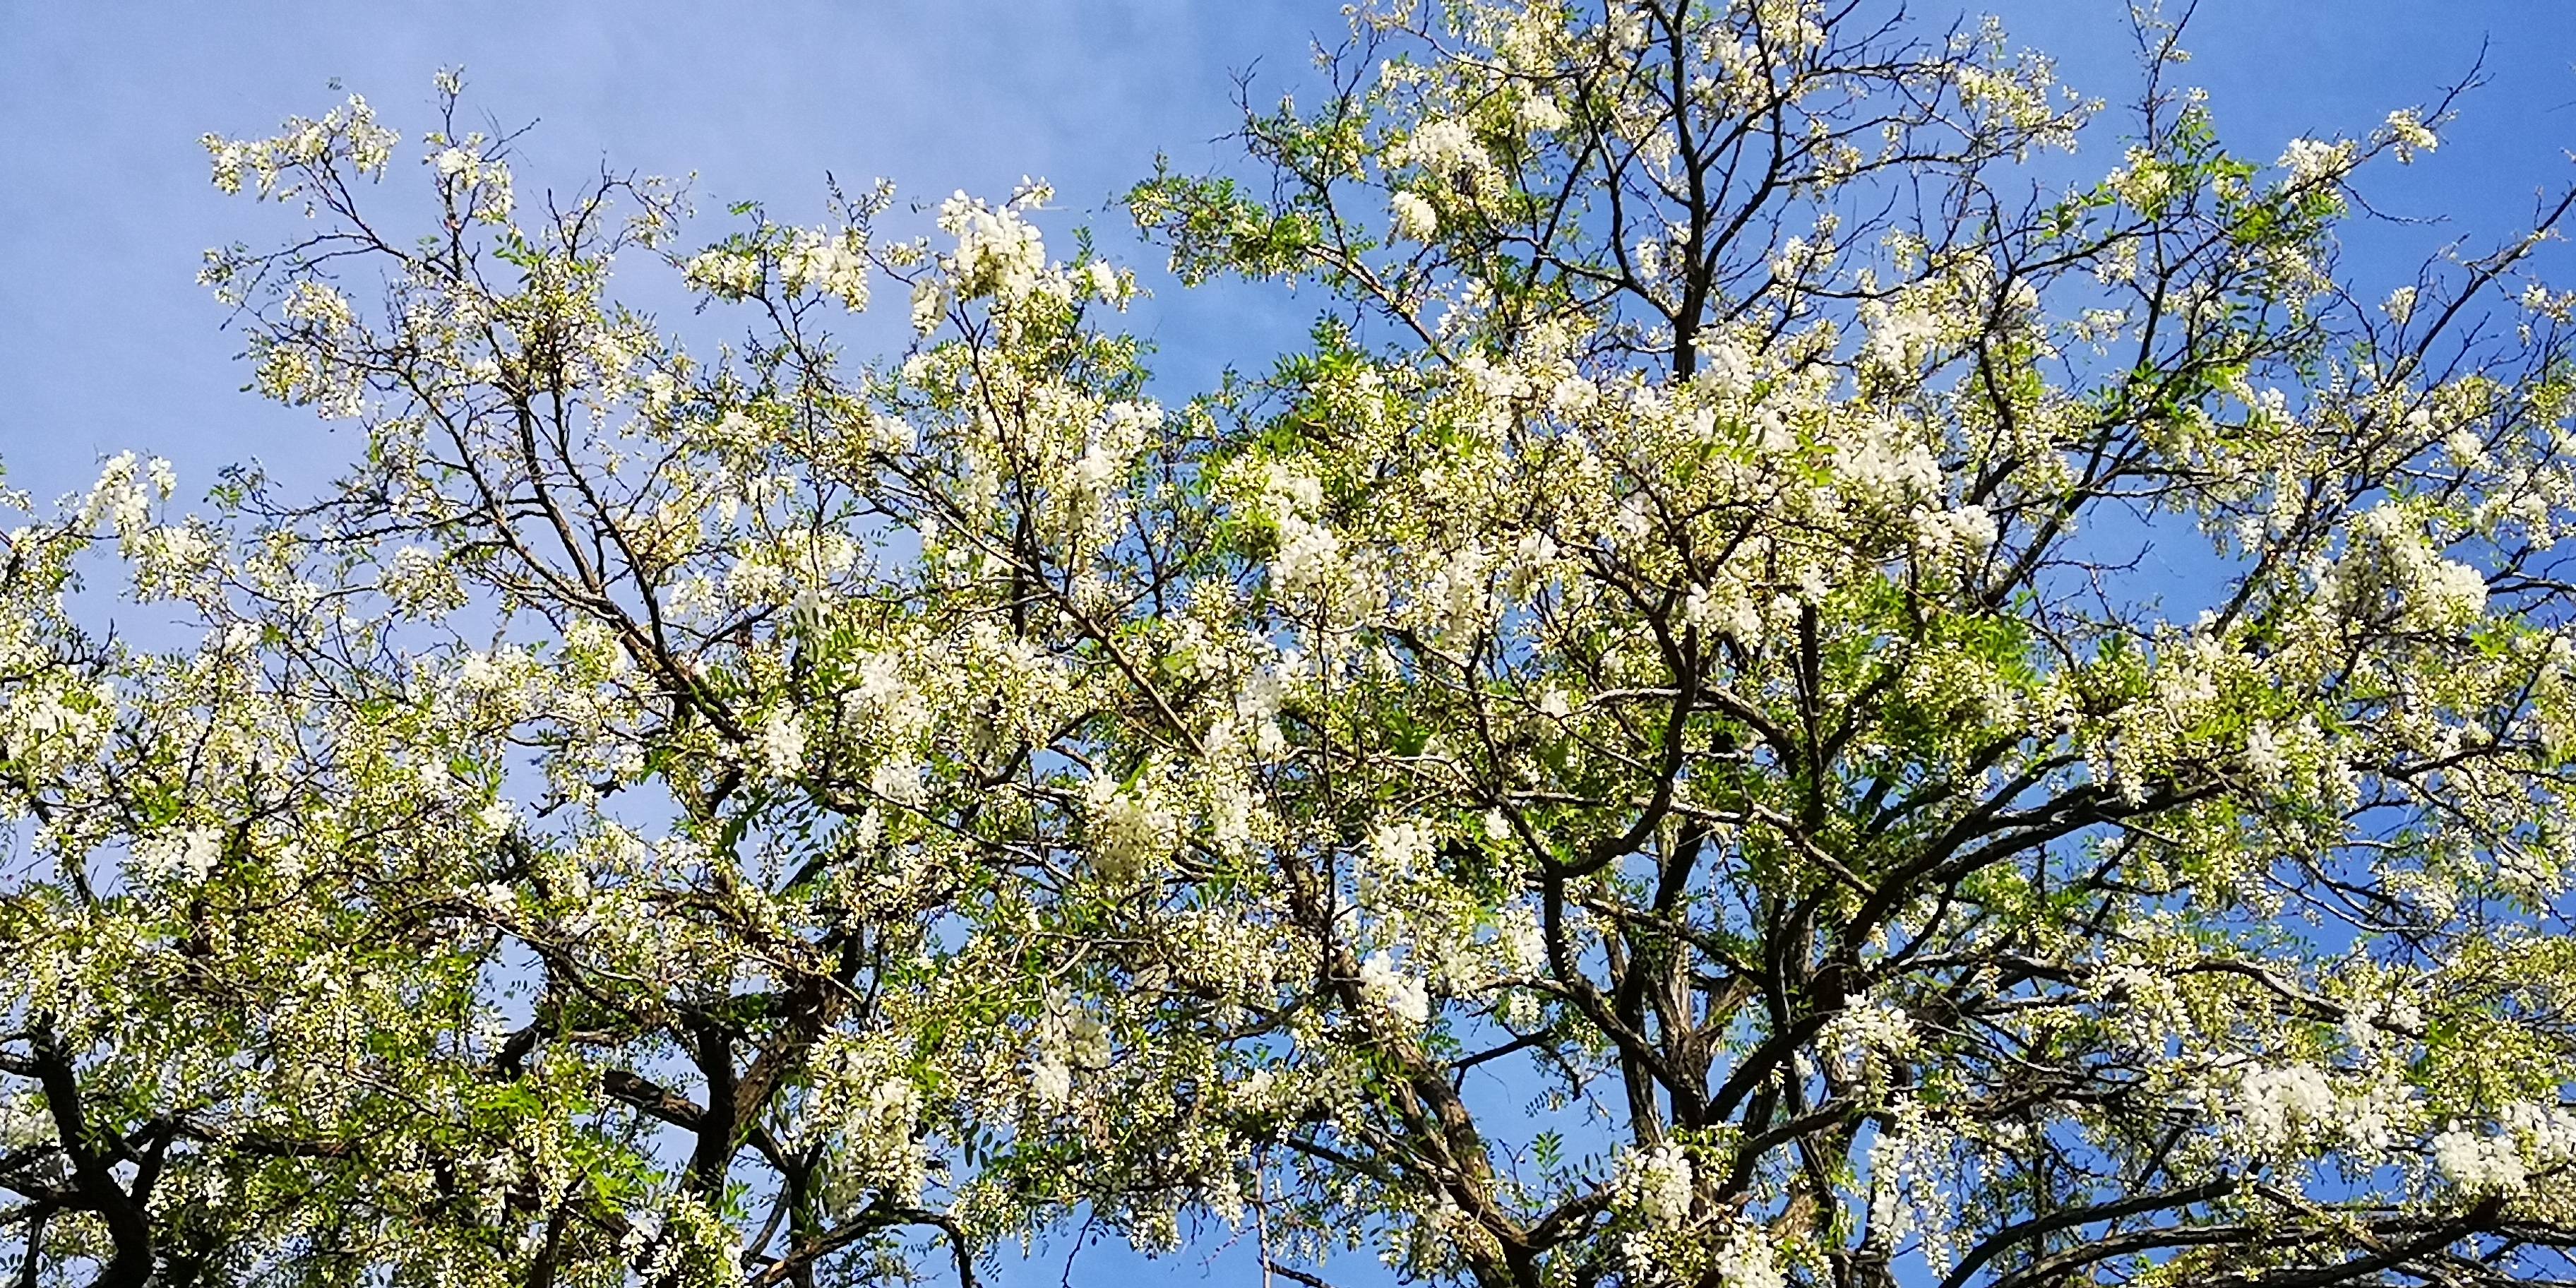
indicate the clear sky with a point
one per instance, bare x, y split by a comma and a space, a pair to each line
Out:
106, 343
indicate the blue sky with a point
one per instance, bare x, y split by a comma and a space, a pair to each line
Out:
106, 343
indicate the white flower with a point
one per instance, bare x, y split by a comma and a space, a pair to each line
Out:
1863, 1037
929, 303
723, 273
1522, 943
1051, 1081
2434, 593
24, 1121
2410, 134
417, 580
2549, 1131
2281, 1104
2263, 756
1130, 831
781, 743
1749, 1258
1087, 1041
1539, 114
185, 856
1308, 555
119, 499
1289, 492
1105, 283
1397, 849
2478, 1162
2465, 450
1889, 462
1401, 993
998, 253
1899, 337
2310, 161
1656, 1182
1444, 147
493, 897
1968, 530
825, 262
1415, 218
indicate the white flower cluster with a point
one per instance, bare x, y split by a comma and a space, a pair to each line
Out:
2310, 161
176, 561
1656, 1184
2143, 181
1122, 432
1888, 461
1898, 337
123, 497
24, 1120
1405, 898
779, 744
2410, 135
1309, 555
2019, 95
183, 856
1540, 114
1864, 1039
349, 130
867, 1093
2283, 1105
1443, 147
2479, 1162
2434, 593
1416, 219
827, 263
726, 272
1106, 283
320, 306
832, 263
1129, 832
2263, 758
998, 253
474, 181
2528, 1137
1911, 1162
1749, 1258
44, 725
1067, 1040
1051, 1082
1397, 991
1725, 606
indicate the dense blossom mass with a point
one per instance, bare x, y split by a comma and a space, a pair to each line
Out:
1651, 752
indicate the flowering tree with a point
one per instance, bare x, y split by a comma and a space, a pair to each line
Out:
1646, 755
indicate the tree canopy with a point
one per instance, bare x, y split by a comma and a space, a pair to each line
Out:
1643, 754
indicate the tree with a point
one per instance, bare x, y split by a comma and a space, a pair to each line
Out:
1642, 756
